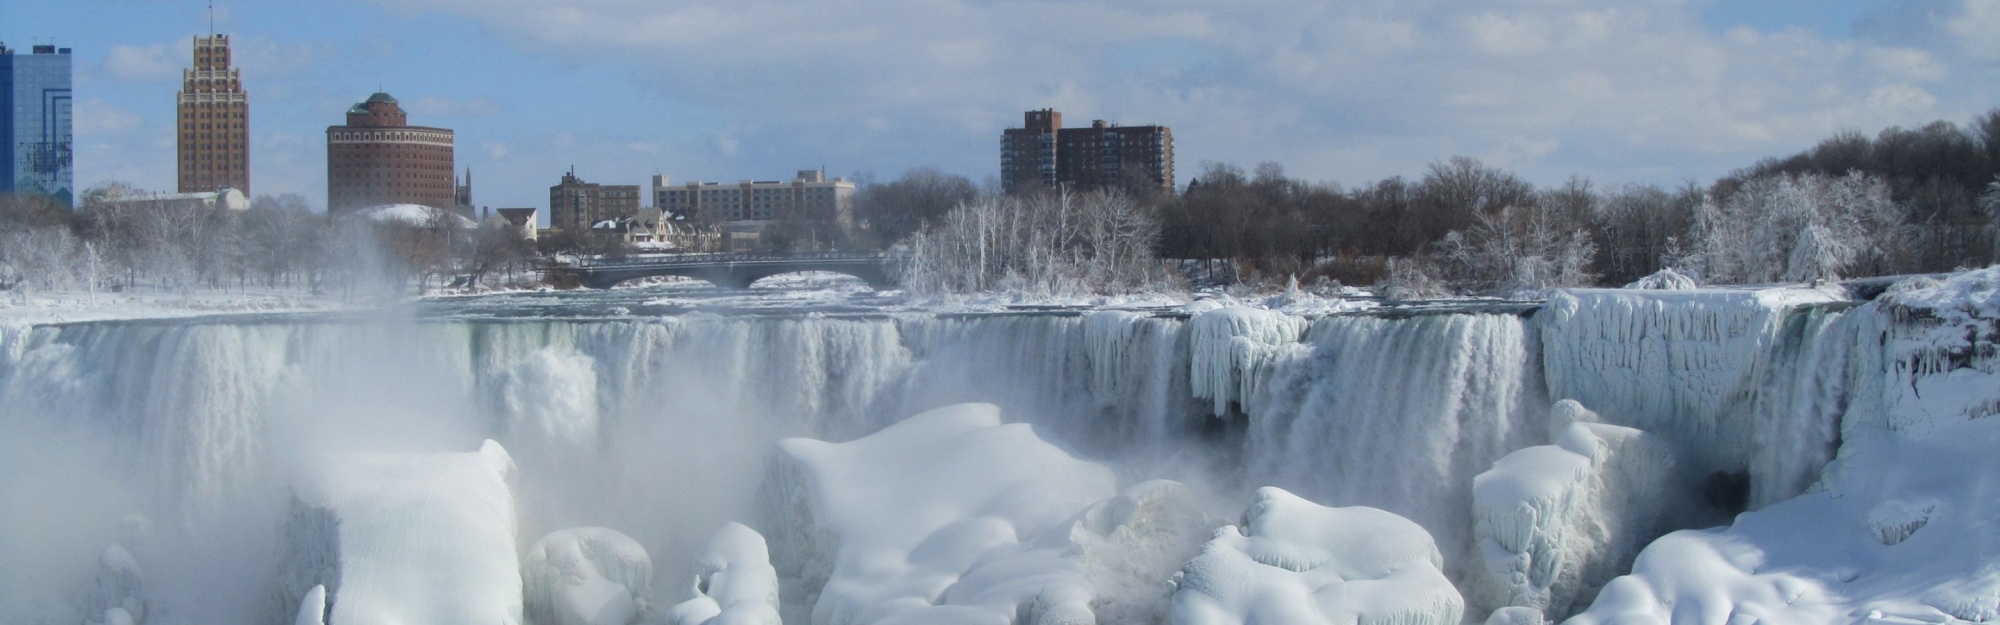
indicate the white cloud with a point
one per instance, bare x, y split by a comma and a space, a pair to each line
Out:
432, 106
1349, 91
95, 116
141, 63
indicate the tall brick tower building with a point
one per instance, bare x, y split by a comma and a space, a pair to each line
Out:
1041, 153
378, 158
214, 121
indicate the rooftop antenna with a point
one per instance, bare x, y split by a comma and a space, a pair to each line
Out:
211, 18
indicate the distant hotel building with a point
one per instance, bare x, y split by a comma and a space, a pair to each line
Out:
35, 132
214, 121
378, 158
575, 205
808, 197
1044, 154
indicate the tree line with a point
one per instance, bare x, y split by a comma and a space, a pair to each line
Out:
1903, 201
181, 245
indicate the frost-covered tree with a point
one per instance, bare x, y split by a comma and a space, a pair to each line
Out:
1797, 228
1054, 244
1991, 202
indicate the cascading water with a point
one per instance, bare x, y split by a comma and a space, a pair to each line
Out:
659, 428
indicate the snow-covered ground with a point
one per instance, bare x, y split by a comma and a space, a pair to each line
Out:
23, 309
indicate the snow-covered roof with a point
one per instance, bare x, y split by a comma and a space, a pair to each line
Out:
411, 214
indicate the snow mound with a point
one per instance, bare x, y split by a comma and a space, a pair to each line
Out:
586, 576
1899, 527
1294, 561
412, 215
1556, 522
1665, 280
407, 538
1228, 345
736, 584
924, 522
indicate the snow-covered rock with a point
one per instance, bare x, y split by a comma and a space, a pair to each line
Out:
1293, 561
407, 538
736, 584
1555, 522
924, 522
586, 576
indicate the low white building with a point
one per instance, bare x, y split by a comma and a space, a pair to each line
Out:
810, 196
226, 198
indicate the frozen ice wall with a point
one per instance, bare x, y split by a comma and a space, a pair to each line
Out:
1684, 364
1899, 528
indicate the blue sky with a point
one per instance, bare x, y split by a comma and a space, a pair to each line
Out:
1646, 91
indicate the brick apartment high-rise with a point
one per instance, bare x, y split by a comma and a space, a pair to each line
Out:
1043, 154
378, 158
213, 126
575, 205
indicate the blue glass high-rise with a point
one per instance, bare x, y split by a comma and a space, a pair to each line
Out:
36, 129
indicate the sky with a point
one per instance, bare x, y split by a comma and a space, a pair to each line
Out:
1342, 91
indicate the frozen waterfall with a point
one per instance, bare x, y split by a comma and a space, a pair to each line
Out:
198, 450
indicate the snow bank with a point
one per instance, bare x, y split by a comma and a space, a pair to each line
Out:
1555, 522
586, 576
1296, 562
407, 538
1899, 527
1665, 280
923, 521
735, 585
1227, 345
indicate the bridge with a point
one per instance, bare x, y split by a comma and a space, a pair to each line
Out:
728, 270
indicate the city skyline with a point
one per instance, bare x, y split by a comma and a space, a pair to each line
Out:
1346, 92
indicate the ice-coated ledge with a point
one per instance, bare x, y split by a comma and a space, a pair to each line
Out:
414, 538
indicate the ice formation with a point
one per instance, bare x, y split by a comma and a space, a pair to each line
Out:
1898, 528
586, 576
1228, 345
923, 522
1678, 364
1294, 561
408, 538
736, 584
1398, 414
312, 608
1555, 522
